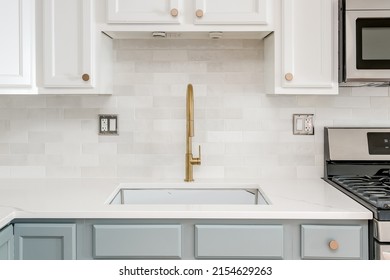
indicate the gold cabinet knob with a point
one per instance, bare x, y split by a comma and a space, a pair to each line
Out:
289, 77
174, 12
333, 245
85, 77
199, 13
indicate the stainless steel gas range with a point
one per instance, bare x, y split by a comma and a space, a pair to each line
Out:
357, 162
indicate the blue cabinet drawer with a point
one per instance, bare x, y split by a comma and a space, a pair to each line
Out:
331, 242
239, 241
137, 241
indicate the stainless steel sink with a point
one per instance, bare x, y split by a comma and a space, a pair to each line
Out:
185, 193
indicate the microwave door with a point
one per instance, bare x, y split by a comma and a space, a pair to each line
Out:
367, 45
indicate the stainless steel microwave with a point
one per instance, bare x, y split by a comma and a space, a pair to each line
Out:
364, 41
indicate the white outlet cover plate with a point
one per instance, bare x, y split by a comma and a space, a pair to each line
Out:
303, 124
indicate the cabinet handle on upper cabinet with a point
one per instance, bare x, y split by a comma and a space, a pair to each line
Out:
333, 245
289, 77
174, 12
199, 13
85, 77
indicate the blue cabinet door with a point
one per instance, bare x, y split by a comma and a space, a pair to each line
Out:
7, 243
45, 241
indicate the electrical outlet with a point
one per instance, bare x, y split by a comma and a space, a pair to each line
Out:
108, 124
103, 125
303, 124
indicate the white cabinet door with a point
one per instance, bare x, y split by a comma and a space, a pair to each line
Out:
68, 44
16, 46
308, 44
145, 11
231, 12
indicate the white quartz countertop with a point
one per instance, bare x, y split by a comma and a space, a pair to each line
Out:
88, 199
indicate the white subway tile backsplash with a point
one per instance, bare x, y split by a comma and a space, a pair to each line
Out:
224, 137
371, 114
45, 137
134, 55
62, 148
380, 102
14, 136
5, 125
352, 102
372, 91
244, 133
5, 171
286, 172
80, 160
28, 171
4, 148
242, 172
31, 148
63, 172
333, 113
99, 148
170, 55
310, 172
99, 172
59, 101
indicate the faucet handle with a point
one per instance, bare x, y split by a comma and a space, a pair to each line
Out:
198, 160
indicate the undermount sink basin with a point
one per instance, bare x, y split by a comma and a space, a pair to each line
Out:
189, 193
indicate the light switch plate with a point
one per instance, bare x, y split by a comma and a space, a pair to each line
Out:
303, 124
108, 124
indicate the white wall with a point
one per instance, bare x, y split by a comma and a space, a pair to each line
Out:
244, 133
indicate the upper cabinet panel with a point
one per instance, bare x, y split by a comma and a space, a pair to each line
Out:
301, 56
16, 47
67, 43
231, 12
307, 43
145, 11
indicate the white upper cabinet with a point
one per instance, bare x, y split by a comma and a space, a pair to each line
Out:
17, 43
145, 11
303, 48
307, 43
68, 52
189, 15
231, 12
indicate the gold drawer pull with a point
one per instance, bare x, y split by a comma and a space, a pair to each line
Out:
199, 13
289, 77
174, 12
333, 245
85, 77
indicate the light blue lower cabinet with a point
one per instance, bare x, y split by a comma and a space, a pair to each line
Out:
239, 242
45, 241
185, 239
7, 243
331, 242
137, 241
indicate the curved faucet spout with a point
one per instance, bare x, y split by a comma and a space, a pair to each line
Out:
189, 159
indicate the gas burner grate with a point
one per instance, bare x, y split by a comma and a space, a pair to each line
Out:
373, 189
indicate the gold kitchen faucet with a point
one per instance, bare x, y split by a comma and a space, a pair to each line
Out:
189, 159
